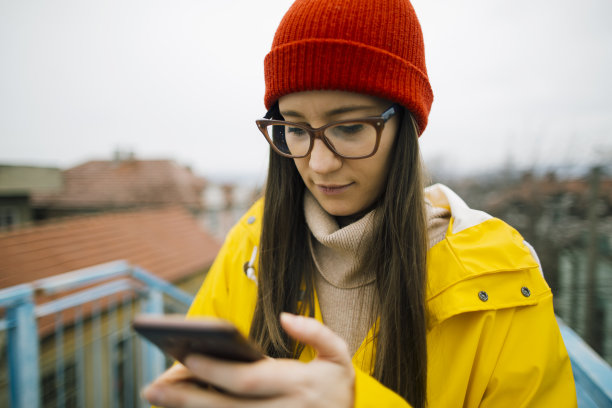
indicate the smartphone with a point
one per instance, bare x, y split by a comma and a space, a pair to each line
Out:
179, 337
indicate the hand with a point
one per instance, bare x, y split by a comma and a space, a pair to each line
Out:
327, 381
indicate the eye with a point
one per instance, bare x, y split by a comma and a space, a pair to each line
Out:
348, 129
352, 128
295, 131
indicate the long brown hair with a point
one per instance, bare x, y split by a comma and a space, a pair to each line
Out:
397, 254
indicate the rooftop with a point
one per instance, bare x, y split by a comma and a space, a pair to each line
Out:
168, 242
123, 184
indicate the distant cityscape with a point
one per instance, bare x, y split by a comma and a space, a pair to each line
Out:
31, 195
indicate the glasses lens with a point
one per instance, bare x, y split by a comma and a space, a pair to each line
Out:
290, 140
352, 139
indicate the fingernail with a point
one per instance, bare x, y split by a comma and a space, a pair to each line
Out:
292, 319
288, 317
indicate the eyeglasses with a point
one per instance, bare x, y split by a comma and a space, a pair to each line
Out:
350, 139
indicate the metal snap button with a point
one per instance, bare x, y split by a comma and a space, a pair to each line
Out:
250, 220
525, 291
482, 295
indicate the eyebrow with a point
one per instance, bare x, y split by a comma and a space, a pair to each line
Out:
331, 113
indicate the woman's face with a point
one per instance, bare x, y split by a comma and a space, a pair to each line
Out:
341, 186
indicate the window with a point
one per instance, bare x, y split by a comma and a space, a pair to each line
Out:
9, 216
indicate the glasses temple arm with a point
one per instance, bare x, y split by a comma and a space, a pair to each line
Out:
393, 109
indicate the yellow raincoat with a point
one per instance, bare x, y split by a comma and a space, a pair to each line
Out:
492, 337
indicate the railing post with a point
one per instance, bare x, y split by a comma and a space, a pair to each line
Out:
153, 360
23, 353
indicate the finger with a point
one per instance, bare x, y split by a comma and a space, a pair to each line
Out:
329, 345
265, 378
178, 396
177, 372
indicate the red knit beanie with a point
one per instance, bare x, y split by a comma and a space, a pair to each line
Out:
367, 46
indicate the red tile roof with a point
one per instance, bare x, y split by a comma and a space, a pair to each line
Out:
127, 183
167, 242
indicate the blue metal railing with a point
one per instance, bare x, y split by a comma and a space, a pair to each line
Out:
93, 306
85, 310
593, 376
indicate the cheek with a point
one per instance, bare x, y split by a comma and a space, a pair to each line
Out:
381, 162
378, 176
373, 174
385, 153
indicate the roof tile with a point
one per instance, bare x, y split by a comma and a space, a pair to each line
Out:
168, 242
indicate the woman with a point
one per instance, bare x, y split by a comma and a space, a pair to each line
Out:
423, 301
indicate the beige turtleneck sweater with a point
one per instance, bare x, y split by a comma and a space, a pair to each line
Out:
346, 294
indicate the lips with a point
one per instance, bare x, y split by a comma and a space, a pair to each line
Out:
332, 189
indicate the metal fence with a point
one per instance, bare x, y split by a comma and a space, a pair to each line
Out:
66, 341
592, 375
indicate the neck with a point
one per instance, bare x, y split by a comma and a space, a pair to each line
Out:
344, 220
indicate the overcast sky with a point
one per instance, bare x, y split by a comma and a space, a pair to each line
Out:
523, 81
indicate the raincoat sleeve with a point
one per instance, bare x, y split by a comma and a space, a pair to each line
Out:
227, 292
510, 356
208, 300
532, 368
370, 393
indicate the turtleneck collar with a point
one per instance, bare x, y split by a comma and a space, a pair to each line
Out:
336, 250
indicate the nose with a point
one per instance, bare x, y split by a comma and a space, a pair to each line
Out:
322, 160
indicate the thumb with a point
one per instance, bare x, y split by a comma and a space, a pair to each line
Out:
329, 345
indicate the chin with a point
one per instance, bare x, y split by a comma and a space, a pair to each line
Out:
339, 210
340, 213
340, 206
345, 207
